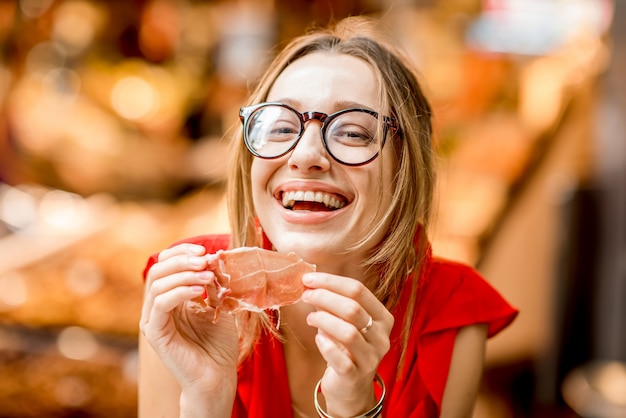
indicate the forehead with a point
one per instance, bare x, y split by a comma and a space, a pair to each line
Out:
326, 81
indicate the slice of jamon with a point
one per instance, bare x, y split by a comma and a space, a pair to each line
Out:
254, 279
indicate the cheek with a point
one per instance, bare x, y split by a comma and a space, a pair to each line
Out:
376, 189
260, 172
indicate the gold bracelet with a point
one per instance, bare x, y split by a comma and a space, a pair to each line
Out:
372, 413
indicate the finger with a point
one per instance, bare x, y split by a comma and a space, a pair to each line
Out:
366, 350
185, 278
175, 264
371, 347
346, 286
352, 364
350, 310
336, 356
159, 315
190, 249
337, 329
352, 289
169, 283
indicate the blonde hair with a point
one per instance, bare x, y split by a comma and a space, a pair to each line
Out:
396, 256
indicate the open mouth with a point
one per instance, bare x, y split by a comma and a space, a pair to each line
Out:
312, 201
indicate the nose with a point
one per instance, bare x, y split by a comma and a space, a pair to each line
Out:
309, 153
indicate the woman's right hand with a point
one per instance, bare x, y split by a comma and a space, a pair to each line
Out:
200, 354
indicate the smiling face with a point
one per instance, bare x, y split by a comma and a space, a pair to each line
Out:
307, 202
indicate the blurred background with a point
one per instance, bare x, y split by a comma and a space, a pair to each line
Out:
114, 121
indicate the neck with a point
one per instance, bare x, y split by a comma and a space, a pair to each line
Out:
305, 364
295, 330
354, 270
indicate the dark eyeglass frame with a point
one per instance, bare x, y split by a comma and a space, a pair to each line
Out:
389, 125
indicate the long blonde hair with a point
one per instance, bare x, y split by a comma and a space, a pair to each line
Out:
396, 256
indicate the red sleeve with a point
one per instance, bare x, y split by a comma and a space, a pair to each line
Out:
452, 296
212, 243
457, 295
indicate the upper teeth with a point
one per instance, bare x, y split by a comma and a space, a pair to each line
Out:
289, 198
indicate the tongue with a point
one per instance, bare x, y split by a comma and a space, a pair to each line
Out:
313, 206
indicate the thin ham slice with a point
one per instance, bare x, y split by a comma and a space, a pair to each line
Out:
254, 279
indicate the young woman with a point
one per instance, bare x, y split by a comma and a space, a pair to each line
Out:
334, 162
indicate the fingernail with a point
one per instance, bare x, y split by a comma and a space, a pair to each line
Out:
197, 289
308, 318
308, 278
306, 295
205, 276
196, 249
321, 339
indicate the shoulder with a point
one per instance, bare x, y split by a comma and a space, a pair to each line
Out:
443, 278
212, 243
452, 300
454, 295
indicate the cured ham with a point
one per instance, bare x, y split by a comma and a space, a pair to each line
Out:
255, 279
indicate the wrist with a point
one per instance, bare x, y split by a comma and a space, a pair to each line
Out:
370, 411
213, 403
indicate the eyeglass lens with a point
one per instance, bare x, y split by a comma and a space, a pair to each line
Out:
350, 137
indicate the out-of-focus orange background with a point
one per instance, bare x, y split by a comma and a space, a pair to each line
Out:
114, 127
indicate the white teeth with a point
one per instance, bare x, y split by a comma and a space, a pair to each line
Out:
290, 198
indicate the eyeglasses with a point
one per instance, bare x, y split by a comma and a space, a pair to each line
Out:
351, 136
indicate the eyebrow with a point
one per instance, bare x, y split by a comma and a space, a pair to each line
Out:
337, 106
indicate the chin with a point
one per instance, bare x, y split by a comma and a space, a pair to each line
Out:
313, 249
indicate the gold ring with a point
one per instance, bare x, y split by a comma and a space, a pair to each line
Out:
367, 327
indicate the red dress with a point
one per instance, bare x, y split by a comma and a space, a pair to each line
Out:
452, 295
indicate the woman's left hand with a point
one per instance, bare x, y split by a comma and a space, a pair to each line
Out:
353, 336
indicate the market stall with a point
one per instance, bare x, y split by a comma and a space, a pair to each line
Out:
112, 146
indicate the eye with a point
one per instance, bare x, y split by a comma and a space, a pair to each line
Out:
273, 124
283, 130
352, 135
354, 129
